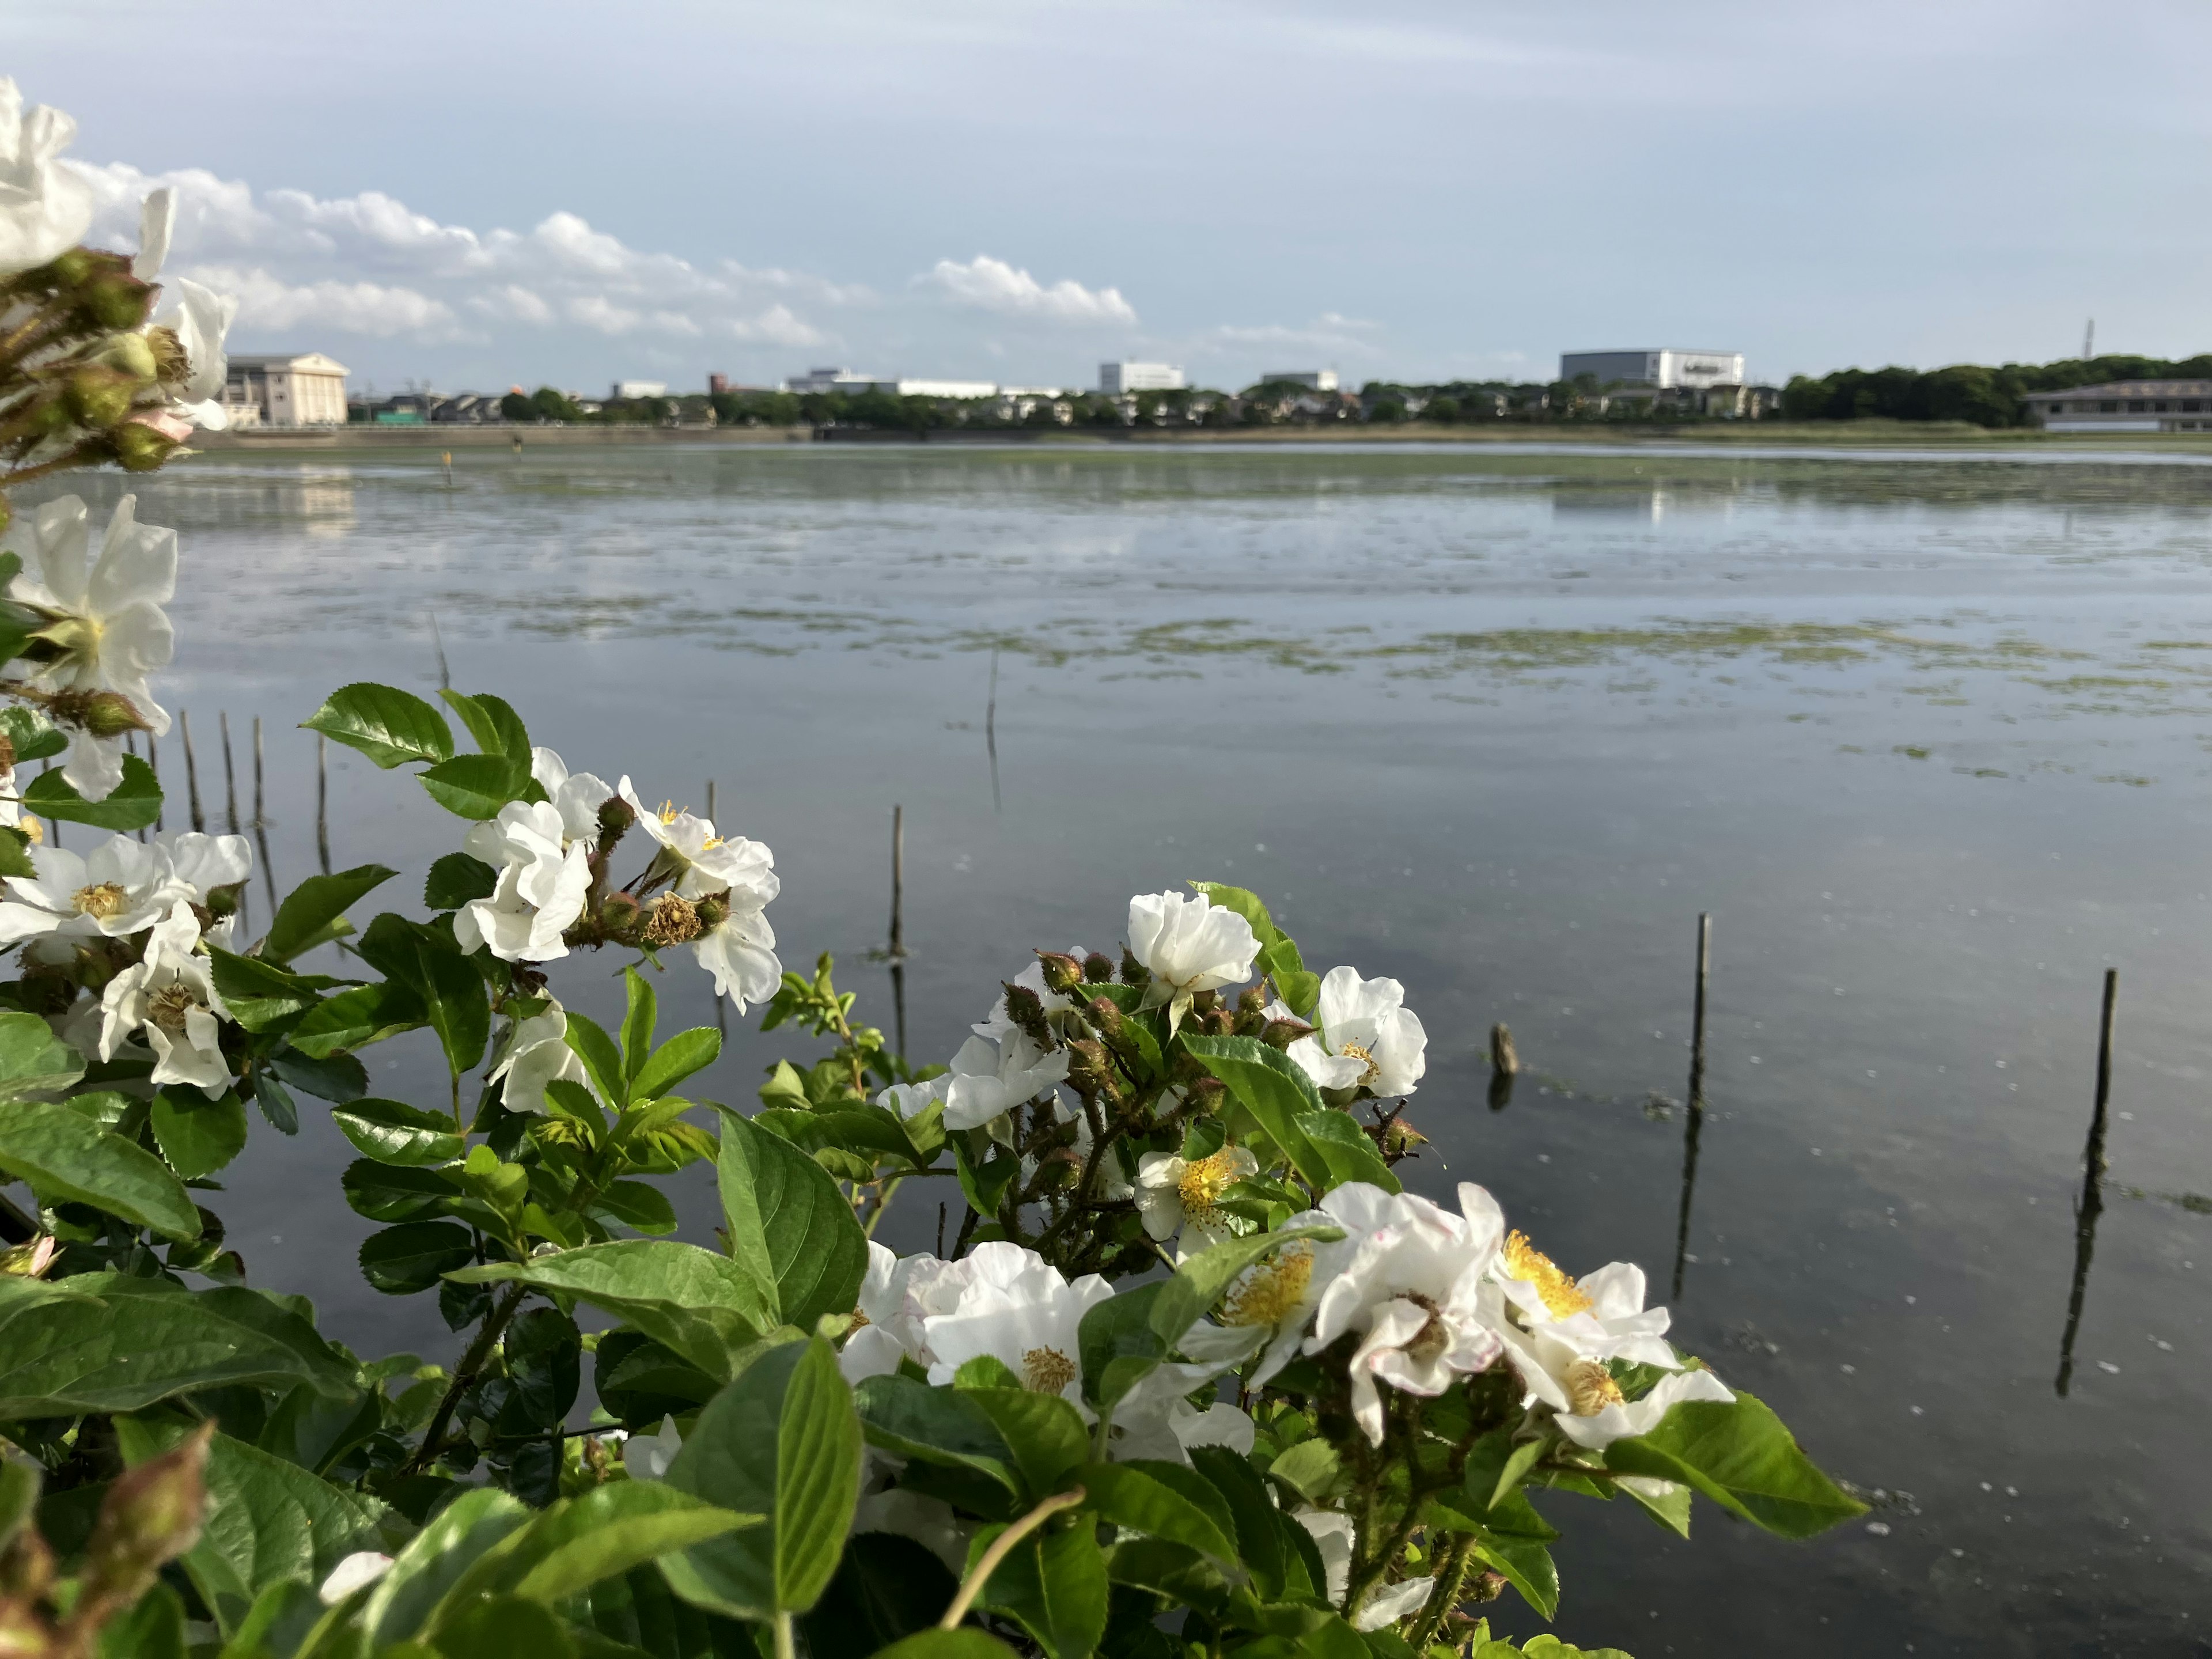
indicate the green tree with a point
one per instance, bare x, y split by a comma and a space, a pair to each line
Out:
517, 406
1443, 410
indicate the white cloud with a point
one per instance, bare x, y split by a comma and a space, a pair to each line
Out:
779, 325
992, 284
267, 303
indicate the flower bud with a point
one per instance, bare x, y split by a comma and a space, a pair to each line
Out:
116, 300
1028, 1015
139, 355
1204, 1002
110, 714
67, 270
1089, 1073
619, 912
1252, 1001
1062, 974
1133, 972
713, 911
1282, 1033
1098, 968
98, 398
30, 1260
1217, 1022
139, 446
1059, 1169
1206, 1092
616, 814
1400, 1138
221, 901
1106, 1014
151, 1515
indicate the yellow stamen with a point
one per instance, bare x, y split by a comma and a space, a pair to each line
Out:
1271, 1291
1590, 1387
1353, 1051
168, 1007
1047, 1371
100, 901
31, 828
1523, 1260
670, 811
1203, 1182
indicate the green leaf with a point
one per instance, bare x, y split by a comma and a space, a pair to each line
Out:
1270, 1086
700, 1304
389, 727
1144, 1496
497, 727
942, 1426
32, 1060
134, 804
1310, 1468
1740, 1456
435, 1559
588, 1041
65, 1154
782, 1440
455, 880
392, 1132
887, 1588
16, 854
789, 1222
1526, 1564
1496, 1467
477, 785
1259, 1529
387, 1193
266, 1521
679, 1057
198, 1135
154, 1629
642, 1012
1045, 1434
337, 1077
314, 913
34, 736
415, 1254
1053, 1583
278, 1625
501, 1627
1118, 1343
455, 1003
1246, 903
1347, 1147
20, 1485
354, 1020
966, 1642
65, 1351
258, 994
636, 1203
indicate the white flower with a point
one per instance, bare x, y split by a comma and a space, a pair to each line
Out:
44, 208
1410, 1289
541, 889
928, 1521
1269, 1306
357, 1571
535, 1053
1176, 1194
646, 1456
996, 1023
1156, 1420
1616, 1419
911, 1100
157, 223
1189, 944
1333, 1539
103, 618
989, 1078
888, 1333
200, 320
120, 888
1367, 1037
1017, 1308
740, 951
575, 796
201, 864
170, 999
737, 874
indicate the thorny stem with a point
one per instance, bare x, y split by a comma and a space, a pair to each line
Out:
1445, 1597
471, 1366
1001, 1547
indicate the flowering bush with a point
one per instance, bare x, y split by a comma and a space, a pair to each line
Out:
1193, 1374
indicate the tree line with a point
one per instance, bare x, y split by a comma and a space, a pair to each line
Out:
1966, 392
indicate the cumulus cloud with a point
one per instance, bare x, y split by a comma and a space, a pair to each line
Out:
369, 308
991, 285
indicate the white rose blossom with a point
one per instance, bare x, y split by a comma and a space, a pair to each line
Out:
1411, 1290
534, 1053
1333, 1539
45, 208
103, 617
1017, 1308
198, 320
120, 889
740, 875
543, 883
990, 1078
200, 864
1367, 1037
646, 1456
997, 1023
1189, 944
170, 999
1156, 1419
357, 1571
576, 796
1176, 1194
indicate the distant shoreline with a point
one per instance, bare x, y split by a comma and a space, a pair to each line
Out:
1869, 433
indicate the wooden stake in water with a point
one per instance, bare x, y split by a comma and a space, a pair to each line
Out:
1695, 1128
261, 823
991, 729
710, 800
444, 675
898, 882
2092, 1205
323, 801
447, 456
130, 746
154, 763
1698, 1016
191, 772
1504, 1067
229, 778
260, 817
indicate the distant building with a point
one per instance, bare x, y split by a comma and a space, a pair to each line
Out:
1115, 378
468, 409
717, 384
2125, 406
624, 389
958, 389
1664, 368
830, 379
1314, 379
307, 389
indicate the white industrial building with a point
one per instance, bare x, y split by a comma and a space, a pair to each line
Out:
302, 389
1314, 379
1664, 368
628, 389
2125, 406
852, 384
1115, 379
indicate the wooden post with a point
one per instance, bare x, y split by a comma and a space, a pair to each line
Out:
710, 800
323, 800
2092, 1203
153, 761
991, 730
898, 882
130, 746
260, 817
191, 772
1698, 1016
229, 778
1695, 1128
437, 639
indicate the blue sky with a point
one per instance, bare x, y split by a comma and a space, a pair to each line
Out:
473, 195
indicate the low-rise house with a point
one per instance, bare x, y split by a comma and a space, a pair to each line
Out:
285, 389
2125, 406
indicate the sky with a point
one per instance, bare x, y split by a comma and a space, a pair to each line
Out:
471, 196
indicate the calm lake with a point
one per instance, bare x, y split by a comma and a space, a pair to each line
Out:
1930, 735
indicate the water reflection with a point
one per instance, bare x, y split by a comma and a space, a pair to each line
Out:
2091, 1204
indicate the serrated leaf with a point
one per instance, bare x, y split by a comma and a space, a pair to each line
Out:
1739, 1454
415, 1254
1269, 1085
134, 802
682, 1055
312, 911
259, 993
391, 727
392, 1132
789, 1227
32, 1060
65, 1154
455, 880
475, 787
497, 727
198, 1136
355, 1019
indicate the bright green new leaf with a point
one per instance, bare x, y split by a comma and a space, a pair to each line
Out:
392, 1132
1269, 1085
259, 995
435, 1559
1144, 1498
966, 1642
642, 1011
389, 727
198, 1135
65, 1154
911, 1420
314, 913
679, 1057
789, 1226
1740, 1456
781, 1441
497, 727
475, 787
636, 1203
1053, 1583
701, 1304
590, 1043
355, 1019
1348, 1148
32, 1060
133, 804
1045, 1435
